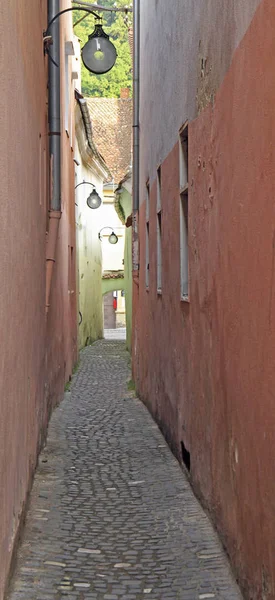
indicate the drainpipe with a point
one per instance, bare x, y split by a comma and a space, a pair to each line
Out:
54, 147
136, 91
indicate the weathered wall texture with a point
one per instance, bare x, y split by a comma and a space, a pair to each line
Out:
89, 261
206, 368
126, 203
36, 357
175, 39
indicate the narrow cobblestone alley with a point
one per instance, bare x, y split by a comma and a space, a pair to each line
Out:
112, 515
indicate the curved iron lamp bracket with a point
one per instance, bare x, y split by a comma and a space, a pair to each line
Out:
107, 227
84, 182
99, 233
62, 12
47, 38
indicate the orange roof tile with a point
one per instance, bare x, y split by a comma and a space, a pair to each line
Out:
112, 132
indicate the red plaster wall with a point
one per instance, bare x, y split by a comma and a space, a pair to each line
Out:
62, 322
36, 358
206, 368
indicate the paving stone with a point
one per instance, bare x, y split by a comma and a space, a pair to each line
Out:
112, 516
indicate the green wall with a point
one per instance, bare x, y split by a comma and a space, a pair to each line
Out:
90, 287
111, 285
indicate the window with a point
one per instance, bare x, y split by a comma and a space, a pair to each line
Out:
71, 271
184, 265
147, 255
159, 242
147, 201
147, 238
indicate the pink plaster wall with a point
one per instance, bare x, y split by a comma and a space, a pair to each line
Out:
206, 368
62, 322
36, 358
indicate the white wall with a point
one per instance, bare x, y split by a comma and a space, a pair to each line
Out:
88, 223
112, 255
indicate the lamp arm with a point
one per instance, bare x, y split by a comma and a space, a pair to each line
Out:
62, 12
107, 227
99, 7
82, 183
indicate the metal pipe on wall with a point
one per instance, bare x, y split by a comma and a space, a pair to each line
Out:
136, 92
54, 146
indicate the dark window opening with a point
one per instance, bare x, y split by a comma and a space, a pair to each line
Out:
184, 262
185, 457
147, 255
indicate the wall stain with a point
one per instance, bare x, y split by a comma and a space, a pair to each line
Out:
205, 89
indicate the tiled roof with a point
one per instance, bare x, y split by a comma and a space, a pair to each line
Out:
112, 132
89, 149
113, 275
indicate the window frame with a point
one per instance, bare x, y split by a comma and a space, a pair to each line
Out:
184, 213
159, 232
147, 237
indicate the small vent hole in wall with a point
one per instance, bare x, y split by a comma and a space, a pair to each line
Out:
185, 457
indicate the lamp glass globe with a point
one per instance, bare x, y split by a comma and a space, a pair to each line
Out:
113, 239
94, 200
99, 54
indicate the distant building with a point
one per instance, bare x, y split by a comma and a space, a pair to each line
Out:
204, 301
112, 128
92, 169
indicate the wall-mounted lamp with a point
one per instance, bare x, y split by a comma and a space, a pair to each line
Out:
93, 200
112, 239
98, 54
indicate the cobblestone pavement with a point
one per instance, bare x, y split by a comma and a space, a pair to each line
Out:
112, 515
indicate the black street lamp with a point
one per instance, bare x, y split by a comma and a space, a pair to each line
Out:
93, 200
98, 54
112, 239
